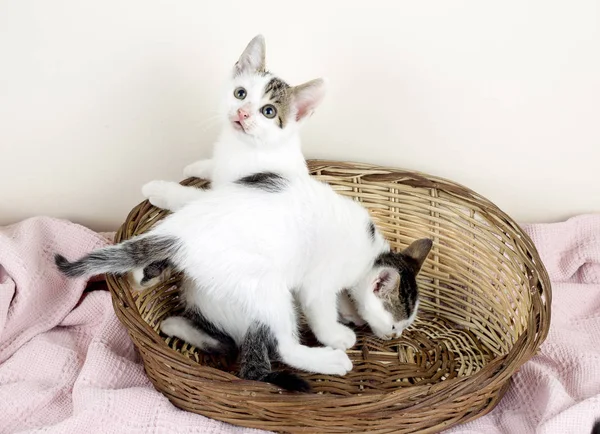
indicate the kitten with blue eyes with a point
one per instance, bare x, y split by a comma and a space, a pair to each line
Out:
257, 136
262, 118
266, 236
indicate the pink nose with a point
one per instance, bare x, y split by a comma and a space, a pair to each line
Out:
243, 114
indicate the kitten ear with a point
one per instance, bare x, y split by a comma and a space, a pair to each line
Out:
253, 57
386, 282
418, 252
308, 96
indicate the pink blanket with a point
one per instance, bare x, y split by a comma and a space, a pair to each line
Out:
67, 365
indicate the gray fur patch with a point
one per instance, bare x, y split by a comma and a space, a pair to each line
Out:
266, 181
154, 270
121, 258
258, 347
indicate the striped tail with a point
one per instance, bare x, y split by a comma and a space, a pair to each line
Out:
256, 351
121, 258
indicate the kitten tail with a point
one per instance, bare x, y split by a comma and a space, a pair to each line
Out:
288, 381
259, 344
121, 258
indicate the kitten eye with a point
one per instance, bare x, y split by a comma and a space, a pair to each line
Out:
240, 93
393, 327
269, 111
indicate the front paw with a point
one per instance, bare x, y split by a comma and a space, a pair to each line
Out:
200, 169
339, 337
333, 362
158, 192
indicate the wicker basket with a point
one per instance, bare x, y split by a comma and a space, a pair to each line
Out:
485, 309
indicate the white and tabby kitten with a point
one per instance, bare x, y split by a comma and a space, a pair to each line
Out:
251, 252
258, 137
262, 117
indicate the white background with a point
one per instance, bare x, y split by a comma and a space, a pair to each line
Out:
98, 97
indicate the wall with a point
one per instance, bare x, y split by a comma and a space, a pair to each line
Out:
97, 98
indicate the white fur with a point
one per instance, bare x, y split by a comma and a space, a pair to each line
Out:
347, 310
250, 255
263, 147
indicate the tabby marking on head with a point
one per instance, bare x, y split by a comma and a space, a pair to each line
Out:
281, 97
263, 109
407, 264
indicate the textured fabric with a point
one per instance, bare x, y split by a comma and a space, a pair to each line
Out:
67, 365
558, 391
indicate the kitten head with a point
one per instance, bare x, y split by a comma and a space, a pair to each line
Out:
260, 107
391, 300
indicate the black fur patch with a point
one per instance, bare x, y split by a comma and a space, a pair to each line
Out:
371, 229
257, 350
266, 181
596, 427
154, 270
288, 381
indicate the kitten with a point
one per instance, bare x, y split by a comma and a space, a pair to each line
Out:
268, 145
258, 106
250, 252
259, 134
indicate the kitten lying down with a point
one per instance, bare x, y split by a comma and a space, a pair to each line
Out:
235, 248
265, 236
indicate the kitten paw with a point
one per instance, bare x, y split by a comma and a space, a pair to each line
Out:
334, 362
179, 327
171, 326
339, 337
158, 192
200, 169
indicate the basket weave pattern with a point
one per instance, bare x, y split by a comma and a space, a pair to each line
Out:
485, 309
